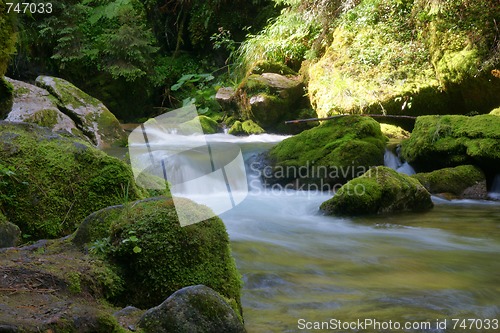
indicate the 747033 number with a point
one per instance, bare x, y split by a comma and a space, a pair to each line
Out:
29, 7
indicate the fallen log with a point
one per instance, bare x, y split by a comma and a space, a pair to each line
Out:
345, 115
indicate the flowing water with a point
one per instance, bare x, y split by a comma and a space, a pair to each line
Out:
416, 268
300, 267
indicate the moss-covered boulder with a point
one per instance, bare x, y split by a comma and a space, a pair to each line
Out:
495, 112
194, 309
268, 97
89, 114
33, 104
9, 233
158, 257
203, 123
247, 127
55, 181
447, 141
410, 57
332, 153
464, 181
380, 190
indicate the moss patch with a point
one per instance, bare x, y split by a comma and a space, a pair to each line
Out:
247, 127
58, 180
380, 190
452, 180
208, 125
495, 112
394, 132
447, 141
46, 118
344, 148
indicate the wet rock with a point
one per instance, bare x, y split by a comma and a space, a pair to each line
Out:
226, 99
268, 97
380, 190
191, 310
89, 114
33, 104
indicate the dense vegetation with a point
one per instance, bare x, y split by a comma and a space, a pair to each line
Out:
141, 57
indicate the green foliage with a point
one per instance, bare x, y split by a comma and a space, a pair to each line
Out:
108, 36
286, 40
199, 90
8, 37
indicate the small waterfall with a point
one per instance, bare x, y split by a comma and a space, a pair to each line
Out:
391, 160
394, 162
495, 188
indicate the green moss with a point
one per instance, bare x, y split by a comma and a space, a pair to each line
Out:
394, 132
208, 125
264, 66
74, 284
446, 141
247, 127
58, 180
171, 256
380, 190
451, 180
6, 94
46, 118
348, 144
495, 112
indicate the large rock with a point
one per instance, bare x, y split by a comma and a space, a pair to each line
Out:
9, 233
380, 190
225, 96
32, 104
464, 181
57, 180
89, 114
447, 141
332, 153
157, 256
194, 309
267, 98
